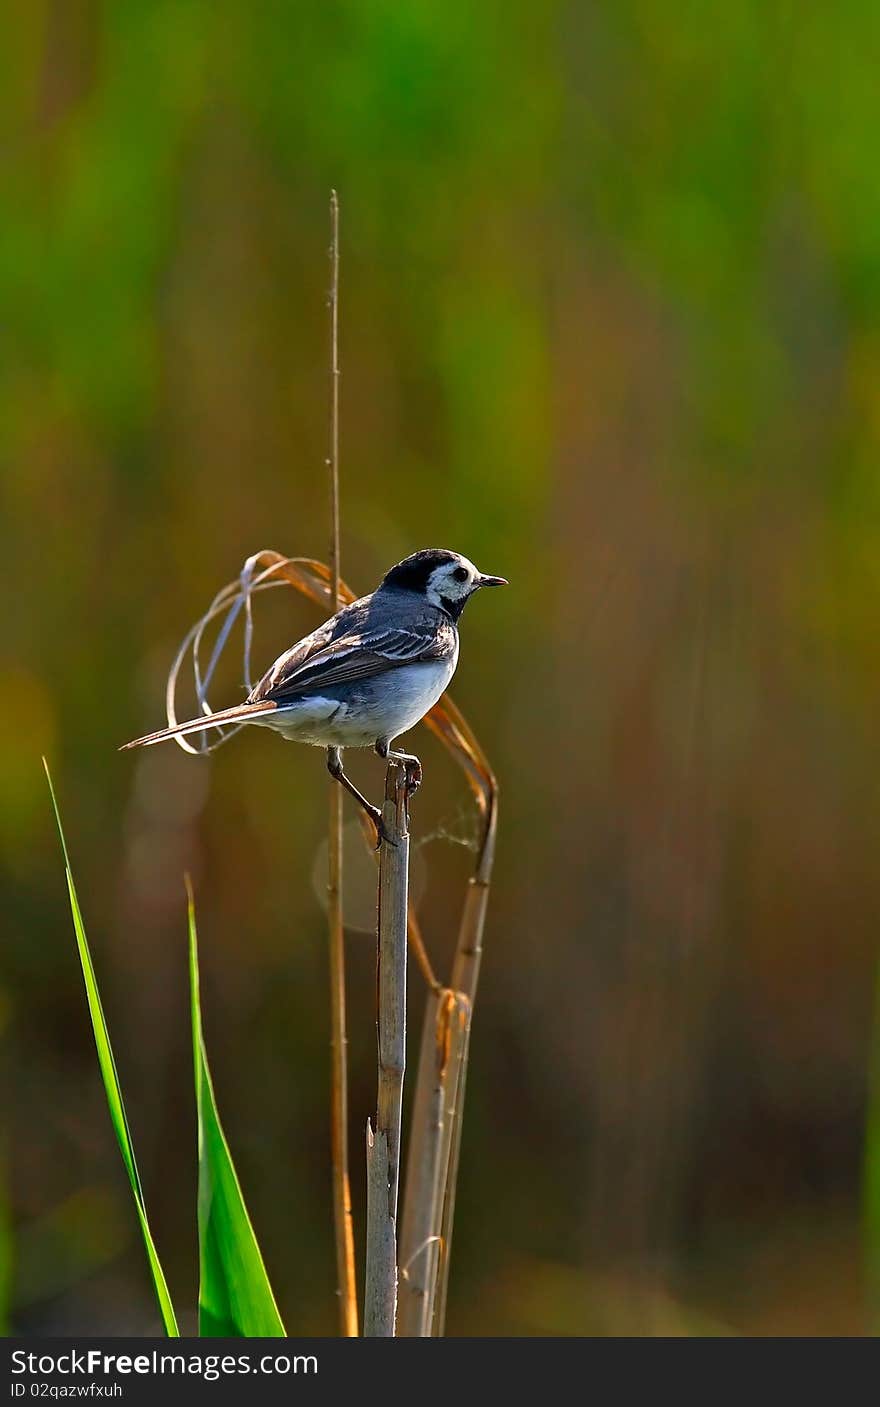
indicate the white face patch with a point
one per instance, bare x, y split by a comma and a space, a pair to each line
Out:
454, 581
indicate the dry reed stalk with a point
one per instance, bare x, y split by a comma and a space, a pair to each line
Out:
342, 1217
431, 1131
383, 1144
333, 460
380, 1287
435, 1129
413, 930
465, 976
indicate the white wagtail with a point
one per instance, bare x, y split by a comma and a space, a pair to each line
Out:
369, 673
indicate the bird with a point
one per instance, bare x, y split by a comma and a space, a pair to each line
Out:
368, 674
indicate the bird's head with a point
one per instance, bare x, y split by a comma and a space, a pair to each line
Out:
444, 578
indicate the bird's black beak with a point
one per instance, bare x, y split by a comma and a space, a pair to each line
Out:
493, 581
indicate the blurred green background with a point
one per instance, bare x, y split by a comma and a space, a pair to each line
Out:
610, 326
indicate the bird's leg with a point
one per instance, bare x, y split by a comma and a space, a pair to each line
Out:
412, 764
337, 772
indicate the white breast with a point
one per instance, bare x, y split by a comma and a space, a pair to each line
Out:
413, 691
383, 708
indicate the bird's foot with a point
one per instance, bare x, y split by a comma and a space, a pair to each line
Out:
412, 767
413, 770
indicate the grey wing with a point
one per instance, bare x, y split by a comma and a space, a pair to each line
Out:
285, 667
287, 664
357, 654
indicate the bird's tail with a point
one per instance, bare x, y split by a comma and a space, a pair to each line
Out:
242, 713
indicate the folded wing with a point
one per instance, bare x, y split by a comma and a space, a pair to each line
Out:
357, 654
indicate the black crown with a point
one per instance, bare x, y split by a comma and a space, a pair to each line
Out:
413, 572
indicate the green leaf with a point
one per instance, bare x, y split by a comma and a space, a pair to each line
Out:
111, 1084
235, 1297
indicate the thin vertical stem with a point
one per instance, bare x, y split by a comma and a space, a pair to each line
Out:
465, 977
871, 1170
333, 461
342, 1218
383, 1144
432, 1124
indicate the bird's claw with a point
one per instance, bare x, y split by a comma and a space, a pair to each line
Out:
413, 770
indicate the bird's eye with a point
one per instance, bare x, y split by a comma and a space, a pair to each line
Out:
460, 574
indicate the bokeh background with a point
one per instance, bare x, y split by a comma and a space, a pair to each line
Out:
610, 326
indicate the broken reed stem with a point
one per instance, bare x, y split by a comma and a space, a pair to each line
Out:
431, 1131
436, 1121
465, 976
383, 1144
423, 1187
342, 1217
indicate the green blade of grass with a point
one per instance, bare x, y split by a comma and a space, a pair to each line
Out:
235, 1297
111, 1083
